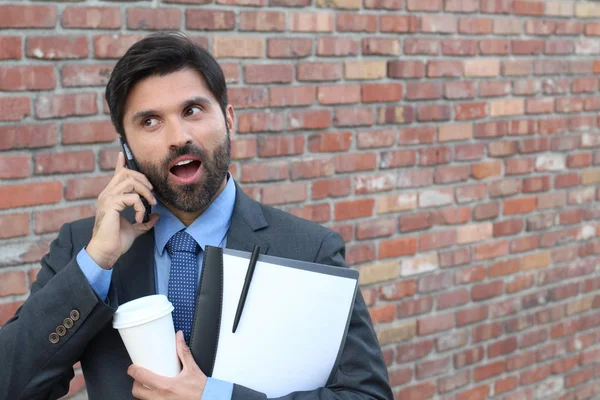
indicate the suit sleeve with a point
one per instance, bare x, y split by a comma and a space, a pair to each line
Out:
362, 373
47, 335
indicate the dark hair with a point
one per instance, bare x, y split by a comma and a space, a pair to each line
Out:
160, 54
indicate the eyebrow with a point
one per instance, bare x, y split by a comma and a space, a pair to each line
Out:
187, 103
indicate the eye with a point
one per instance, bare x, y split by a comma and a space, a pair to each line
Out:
150, 122
193, 110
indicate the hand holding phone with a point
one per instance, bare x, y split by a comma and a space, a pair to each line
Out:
113, 234
131, 164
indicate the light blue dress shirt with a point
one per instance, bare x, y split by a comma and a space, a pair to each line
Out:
210, 228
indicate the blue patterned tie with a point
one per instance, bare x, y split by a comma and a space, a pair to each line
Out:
183, 280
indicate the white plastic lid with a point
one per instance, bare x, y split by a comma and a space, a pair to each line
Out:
141, 311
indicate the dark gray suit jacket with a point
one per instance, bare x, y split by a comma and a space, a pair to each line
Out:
33, 367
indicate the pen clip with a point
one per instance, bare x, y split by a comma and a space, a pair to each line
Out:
247, 280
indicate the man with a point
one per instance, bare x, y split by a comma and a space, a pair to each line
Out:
168, 101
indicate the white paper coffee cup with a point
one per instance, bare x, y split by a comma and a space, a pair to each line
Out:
146, 327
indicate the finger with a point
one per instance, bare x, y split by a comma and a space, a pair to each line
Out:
130, 200
184, 353
128, 174
134, 186
120, 162
141, 391
143, 227
146, 377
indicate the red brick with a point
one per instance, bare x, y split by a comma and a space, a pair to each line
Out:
66, 105
320, 213
400, 376
459, 47
355, 162
435, 324
155, 19
516, 68
311, 22
290, 96
284, 193
312, 168
395, 115
319, 72
52, 220
421, 46
453, 299
459, 90
381, 46
416, 222
238, 47
341, 94
352, 209
535, 375
384, 4
85, 75
450, 174
88, 132
260, 122
243, 148
494, 89
488, 371
14, 225
92, 17
261, 21
430, 368
468, 357
10, 48
486, 169
478, 393
27, 78
420, 391
397, 158
424, 5
528, 7
519, 206
396, 247
450, 382
317, 119
110, 46
412, 352
376, 228
438, 24
469, 111
327, 142
289, 47
487, 290
206, 20
463, 6
381, 314
437, 112
268, 73
469, 152
406, 69
30, 194
475, 26
491, 250
387, 92
354, 117
494, 47
264, 171
331, 188
280, 146
27, 16
331, 46
64, 162
351, 22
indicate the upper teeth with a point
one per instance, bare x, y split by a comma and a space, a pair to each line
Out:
180, 163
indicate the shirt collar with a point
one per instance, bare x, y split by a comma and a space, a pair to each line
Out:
208, 229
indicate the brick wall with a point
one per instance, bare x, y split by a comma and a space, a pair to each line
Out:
453, 143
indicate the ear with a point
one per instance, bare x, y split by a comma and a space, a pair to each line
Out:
230, 119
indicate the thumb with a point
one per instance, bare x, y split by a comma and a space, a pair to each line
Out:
184, 353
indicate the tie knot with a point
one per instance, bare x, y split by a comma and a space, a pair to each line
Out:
182, 242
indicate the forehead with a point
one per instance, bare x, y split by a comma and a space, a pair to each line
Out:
161, 92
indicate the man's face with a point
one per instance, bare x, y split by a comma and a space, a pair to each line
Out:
179, 138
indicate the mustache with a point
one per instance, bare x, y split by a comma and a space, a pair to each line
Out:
188, 149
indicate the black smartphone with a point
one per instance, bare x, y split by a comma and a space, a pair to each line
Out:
131, 164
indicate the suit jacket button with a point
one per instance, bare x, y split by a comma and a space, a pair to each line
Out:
61, 330
54, 338
68, 323
74, 315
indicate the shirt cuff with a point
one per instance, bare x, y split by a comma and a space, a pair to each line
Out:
98, 277
217, 390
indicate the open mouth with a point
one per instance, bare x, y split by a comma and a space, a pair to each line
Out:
186, 171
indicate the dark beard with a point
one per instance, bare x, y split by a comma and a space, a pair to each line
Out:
197, 196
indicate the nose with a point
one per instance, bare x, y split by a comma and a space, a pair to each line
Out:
178, 135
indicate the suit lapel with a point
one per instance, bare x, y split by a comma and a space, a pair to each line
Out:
246, 220
135, 270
